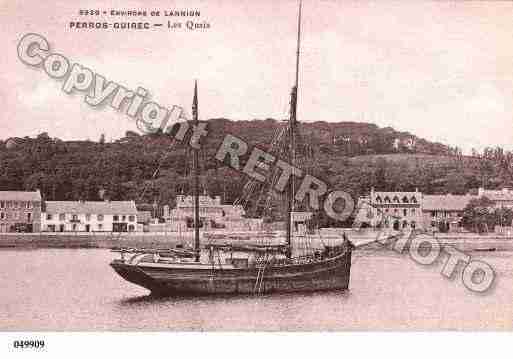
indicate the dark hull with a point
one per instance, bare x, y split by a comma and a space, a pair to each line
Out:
327, 274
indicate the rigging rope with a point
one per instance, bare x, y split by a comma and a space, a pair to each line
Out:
161, 162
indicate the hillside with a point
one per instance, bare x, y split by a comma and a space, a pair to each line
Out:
340, 138
415, 159
350, 156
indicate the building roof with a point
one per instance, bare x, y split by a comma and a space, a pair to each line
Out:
393, 193
396, 197
204, 201
91, 207
498, 195
20, 196
449, 202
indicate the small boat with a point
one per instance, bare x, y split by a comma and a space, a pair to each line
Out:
231, 236
165, 253
489, 249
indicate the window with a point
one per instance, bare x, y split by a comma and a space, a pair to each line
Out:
405, 199
433, 214
131, 228
49, 217
413, 224
378, 199
123, 218
413, 200
115, 218
30, 205
387, 199
405, 212
2, 204
62, 217
413, 211
74, 227
100, 226
396, 199
131, 218
29, 217
100, 218
2, 215
74, 217
88, 217
27, 205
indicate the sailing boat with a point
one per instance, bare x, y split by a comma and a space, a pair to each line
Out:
240, 269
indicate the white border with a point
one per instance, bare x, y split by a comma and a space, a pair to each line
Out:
262, 345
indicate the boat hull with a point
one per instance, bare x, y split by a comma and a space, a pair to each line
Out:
328, 274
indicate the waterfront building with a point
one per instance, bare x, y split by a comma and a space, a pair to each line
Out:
143, 219
413, 210
20, 211
395, 210
444, 212
90, 216
213, 215
500, 198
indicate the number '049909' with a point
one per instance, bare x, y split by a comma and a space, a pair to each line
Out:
29, 344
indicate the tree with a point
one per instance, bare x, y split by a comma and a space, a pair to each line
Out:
476, 215
455, 183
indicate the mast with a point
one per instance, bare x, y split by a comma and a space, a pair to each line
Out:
292, 139
195, 165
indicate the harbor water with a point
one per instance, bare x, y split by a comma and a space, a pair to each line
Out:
75, 289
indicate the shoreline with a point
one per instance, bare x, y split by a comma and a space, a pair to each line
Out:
161, 240
107, 240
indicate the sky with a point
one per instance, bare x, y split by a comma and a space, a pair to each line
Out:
440, 70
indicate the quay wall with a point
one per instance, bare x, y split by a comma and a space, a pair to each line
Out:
96, 240
364, 240
462, 241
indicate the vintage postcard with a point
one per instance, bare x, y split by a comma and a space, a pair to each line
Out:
244, 166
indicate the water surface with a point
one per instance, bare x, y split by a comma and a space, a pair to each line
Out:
75, 289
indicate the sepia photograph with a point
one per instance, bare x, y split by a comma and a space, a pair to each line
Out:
312, 167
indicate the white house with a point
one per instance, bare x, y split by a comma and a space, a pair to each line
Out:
88, 216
